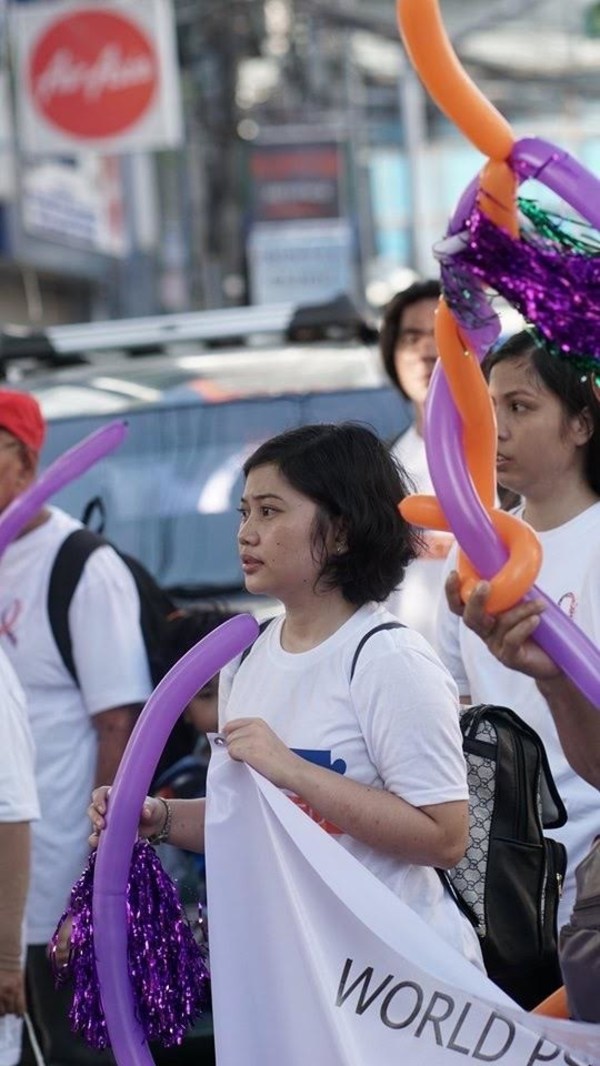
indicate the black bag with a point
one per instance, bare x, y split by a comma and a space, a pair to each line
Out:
509, 882
510, 879
579, 943
155, 604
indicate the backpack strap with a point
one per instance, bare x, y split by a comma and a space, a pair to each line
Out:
461, 903
263, 625
66, 571
376, 629
94, 515
367, 636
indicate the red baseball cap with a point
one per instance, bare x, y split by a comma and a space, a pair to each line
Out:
21, 415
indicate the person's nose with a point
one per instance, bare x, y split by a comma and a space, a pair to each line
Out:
427, 346
502, 432
247, 533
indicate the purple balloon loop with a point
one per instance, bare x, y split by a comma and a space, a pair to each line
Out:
109, 909
70, 465
533, 157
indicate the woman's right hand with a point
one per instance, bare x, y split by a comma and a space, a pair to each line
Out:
152, 816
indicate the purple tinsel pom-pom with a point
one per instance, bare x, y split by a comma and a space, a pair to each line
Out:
553, 279
167, 968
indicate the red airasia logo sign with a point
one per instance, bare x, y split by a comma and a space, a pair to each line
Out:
93, 74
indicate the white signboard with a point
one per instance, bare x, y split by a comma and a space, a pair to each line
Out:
313, 960
100, 76
78, 203
301, 262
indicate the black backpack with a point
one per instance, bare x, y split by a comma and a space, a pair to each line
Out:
509, 882
155, 604
510, 879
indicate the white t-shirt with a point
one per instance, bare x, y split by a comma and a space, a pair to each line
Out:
395, 727
415, 601
567, 557
18, 802
112, 667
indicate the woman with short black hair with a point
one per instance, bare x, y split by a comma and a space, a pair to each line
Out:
350, 713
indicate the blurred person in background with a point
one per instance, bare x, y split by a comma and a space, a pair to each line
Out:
182, 769
80, 729
182, 632
409, 355
18, 807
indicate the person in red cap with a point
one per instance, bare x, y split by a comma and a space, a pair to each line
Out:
80, 727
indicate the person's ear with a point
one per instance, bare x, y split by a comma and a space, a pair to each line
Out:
28, 460
583, 426
340, 537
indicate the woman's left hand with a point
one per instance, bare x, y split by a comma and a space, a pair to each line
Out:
252, 741
60, 952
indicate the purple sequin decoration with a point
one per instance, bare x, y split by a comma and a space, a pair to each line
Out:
555, 288
169, 975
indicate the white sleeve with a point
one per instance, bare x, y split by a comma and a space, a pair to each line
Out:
407, 705
448, 634
18, 796
108, 646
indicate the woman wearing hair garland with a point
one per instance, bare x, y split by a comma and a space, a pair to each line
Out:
549, 453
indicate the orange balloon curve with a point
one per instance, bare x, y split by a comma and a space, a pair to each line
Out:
433, 57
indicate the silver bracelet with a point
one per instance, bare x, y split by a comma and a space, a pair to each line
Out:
163, 834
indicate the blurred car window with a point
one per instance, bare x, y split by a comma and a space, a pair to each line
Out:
171, 491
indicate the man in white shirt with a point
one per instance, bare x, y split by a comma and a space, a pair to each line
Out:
80, 729
409, 356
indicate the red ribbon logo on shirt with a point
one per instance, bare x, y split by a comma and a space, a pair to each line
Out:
93, 73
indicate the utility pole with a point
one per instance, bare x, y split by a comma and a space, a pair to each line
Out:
412, 112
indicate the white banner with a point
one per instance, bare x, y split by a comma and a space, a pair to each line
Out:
100, 76
315, 961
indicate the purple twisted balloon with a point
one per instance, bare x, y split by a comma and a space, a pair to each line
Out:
127, 796
567, 645
70, 465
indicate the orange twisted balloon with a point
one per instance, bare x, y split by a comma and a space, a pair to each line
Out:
459, 98
432, 55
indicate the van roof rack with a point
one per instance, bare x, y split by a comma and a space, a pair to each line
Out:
69, 344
